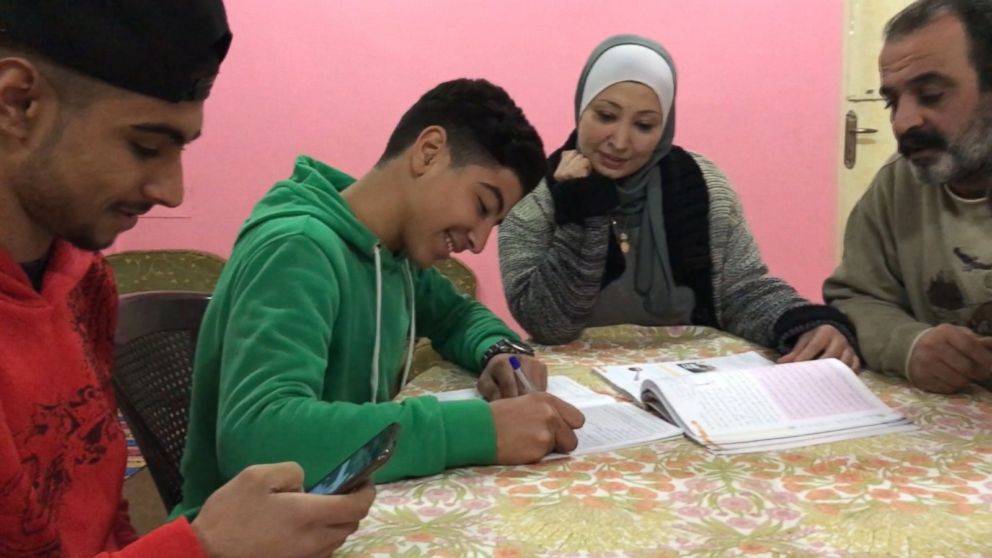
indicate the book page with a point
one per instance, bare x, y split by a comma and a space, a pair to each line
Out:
562, 387
573, 392
812, 439
629, 378
777, 401
814, 389
458, 394
618, 425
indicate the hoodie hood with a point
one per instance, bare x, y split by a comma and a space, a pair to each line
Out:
67, 266
314, 190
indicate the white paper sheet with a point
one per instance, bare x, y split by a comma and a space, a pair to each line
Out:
609, 425
618, 425
562, 387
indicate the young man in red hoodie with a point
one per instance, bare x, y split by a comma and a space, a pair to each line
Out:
97, 100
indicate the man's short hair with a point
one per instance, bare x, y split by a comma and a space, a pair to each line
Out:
974, 15
483, 124
73, 89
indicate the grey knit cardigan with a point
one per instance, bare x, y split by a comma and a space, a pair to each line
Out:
553, 274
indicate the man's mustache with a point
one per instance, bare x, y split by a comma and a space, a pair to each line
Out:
135, 208
917, 139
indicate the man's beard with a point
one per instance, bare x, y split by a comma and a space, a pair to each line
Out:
44, 195
967, 158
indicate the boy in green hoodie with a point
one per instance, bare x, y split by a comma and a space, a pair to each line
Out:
311, 328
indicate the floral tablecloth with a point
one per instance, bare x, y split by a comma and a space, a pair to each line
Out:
927, 493
135, 461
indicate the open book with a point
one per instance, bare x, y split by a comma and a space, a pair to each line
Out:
629, 378
610, 424
759, 407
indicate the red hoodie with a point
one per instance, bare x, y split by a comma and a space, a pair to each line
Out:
62, 451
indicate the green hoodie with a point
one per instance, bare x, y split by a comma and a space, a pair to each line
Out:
284, 363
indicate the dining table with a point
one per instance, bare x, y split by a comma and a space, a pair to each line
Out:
925, 493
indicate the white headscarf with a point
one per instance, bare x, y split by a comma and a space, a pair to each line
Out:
630, 62
632, 58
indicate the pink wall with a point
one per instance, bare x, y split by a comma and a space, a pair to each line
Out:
758, 94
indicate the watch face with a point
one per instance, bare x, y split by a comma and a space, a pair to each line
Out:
519, 347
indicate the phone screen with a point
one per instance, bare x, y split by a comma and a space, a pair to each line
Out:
359, 466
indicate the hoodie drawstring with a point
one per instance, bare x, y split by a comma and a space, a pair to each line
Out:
413, 324
378, 323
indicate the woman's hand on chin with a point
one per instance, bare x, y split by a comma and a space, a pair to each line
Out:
573, 165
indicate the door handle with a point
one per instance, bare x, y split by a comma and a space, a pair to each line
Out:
851, 132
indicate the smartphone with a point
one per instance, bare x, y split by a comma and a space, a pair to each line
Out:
358, 468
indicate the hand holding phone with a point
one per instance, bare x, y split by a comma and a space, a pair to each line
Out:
260, 512
357, 469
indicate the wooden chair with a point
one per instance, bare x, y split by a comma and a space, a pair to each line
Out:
165, 270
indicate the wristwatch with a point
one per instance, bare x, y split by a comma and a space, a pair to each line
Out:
506, 346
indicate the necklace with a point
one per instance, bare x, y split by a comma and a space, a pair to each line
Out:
621, 234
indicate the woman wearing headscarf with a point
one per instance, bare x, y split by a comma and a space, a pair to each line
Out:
629, 228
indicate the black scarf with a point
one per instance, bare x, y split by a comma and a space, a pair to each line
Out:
686, 206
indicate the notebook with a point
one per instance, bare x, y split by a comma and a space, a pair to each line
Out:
610, 424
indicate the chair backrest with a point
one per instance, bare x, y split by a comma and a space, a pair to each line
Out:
153, 367
459, 274
462, 277
165, 270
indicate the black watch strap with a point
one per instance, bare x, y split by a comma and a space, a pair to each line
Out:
506, 346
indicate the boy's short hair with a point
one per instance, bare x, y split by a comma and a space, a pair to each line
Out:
484, 127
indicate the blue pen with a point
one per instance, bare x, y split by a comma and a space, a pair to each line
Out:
519, 373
